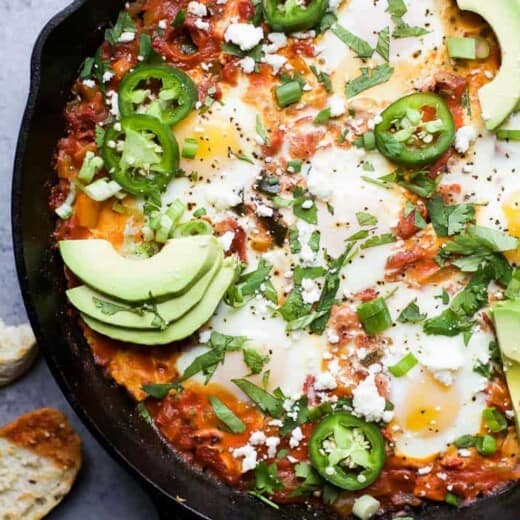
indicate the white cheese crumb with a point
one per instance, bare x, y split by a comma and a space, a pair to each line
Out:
275, 422
307, 204
247, 64
89, 83
276, 61
205, 336
367, 401
197, 9
464, 452
113, 99
464, 137
126, 37
107, 76
296, 437
424, 470
310, 291
325, 381
272, 443
257, 438
163, 24
304, 35
226, 239
277, 41
201, 24
264, 211
248, 455
245, 35
332, 336
336, 105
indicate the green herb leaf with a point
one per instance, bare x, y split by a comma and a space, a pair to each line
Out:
144, 413
383, 44
308, 214
366, 219
161, 390
304, 321
403, 30
123, 24
370, 77
417, 182
260, 130
254, 360
396, 7
449, 220
385, 238
226, 415
411, 313
322, 78
267, 403
359, 46
179, 19
322, 116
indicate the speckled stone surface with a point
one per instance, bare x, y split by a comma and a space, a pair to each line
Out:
103, 490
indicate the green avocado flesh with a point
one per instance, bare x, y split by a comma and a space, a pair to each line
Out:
507, 325
172, 271
500, 97
93, 303
184, 326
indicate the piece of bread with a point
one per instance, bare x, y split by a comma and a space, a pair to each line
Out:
18, 350
40, 456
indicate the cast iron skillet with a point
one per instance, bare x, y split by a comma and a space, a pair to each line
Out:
105, 408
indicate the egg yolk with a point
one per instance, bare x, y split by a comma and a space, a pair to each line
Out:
430, 407
511, 209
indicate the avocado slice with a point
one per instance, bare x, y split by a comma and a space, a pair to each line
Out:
172, 271
500, 97
84, 299
507, 324
184, 326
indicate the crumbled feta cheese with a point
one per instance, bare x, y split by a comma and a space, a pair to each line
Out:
197, 9
336, 105
277, 41
248, 455
443, 376
272, 443
226, 239
89, 83
264, 211
126, 37
464, 137
325, 381
107, 76
275, 422
113, 99
307, 204
332, 336
318, 182
310, 290
464, 452
205, 336
245, 35
163, 24
247, 64
367, 401
296, 437
276, 61
424, 470
442, 476
257, 438
201, 24
222, 199
304, 35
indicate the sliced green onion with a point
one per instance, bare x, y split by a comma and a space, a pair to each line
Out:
154, 220
451, 499
176, 211
365, 507
403, 366
281, 202
486, 445
367, 141
65, 210
294, 166
226, 415
288, 93
463, 48
179, 19
508, 135
200, 212
165, 226
102, 189
195, 227
374, 316
467, 48
91, 165
494, 420
189, 150
322, 117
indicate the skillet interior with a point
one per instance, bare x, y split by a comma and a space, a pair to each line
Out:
70, 37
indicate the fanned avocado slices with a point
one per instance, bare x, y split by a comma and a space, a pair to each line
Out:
143, 315
184, 326
172, 271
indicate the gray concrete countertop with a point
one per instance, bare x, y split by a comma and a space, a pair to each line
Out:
103, 490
